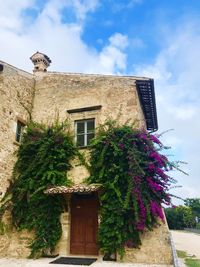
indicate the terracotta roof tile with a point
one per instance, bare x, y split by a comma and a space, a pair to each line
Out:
80, 188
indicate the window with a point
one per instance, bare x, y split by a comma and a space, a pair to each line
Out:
84, 132
19, 131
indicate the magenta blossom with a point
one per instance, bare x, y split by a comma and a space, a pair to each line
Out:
158, 158
156, 187
143, 136
161, 173
129, 243
121, 146
156, 210
151, 167
155, 139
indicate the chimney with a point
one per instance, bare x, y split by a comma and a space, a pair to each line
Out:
41, 62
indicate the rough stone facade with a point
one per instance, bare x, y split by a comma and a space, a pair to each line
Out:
16, 99
55, 93
46, 95
155, 248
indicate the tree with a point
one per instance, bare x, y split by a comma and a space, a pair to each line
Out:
194, 204
180, 217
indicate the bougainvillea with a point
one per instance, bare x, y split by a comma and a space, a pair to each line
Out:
133, 172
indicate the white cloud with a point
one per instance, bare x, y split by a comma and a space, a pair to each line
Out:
62, 42
184, 112
83, 7
176, 72
80, 8
119, 40
112, 58
10, 13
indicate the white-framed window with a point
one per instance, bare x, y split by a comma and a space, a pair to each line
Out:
84, 132
19, 131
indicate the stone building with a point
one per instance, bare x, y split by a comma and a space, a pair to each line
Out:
87, 100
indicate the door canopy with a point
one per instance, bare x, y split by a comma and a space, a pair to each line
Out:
81, 188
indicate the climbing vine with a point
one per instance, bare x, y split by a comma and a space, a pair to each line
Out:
43, 160
127, 162
133, 172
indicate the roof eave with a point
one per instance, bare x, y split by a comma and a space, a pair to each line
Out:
146, 92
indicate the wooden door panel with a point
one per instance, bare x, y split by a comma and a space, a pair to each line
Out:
84, 225
77, 237
90, 231
77, 249
91, 249
78, 231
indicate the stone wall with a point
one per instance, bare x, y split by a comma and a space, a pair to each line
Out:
16, 97
63, 246
155, 249
56, 93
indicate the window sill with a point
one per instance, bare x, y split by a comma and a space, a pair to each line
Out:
83, 147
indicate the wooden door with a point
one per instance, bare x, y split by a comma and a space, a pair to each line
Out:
84, 224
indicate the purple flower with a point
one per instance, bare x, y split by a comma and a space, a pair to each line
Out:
135, 191
155, 139
156, 187
121, 146
151, 167
161, 173
137, 180
156, 210
158, 158
129, 243
142, 136
140, 225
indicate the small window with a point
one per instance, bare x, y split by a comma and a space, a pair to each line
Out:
84, 132
19, 131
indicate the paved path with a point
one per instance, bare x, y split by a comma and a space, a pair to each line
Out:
187, 241
5, 262
183, 240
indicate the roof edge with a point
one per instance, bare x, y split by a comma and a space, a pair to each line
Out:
16, 68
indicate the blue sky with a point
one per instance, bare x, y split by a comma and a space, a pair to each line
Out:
153, 38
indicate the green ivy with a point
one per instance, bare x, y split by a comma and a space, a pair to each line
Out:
43, 160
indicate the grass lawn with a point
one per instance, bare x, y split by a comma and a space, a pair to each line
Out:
190, 261
181, 254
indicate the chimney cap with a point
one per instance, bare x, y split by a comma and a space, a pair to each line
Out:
41, 61
39, 54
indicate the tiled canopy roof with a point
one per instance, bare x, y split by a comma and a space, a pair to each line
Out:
81, 188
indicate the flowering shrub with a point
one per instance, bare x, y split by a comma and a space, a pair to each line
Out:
130, 166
